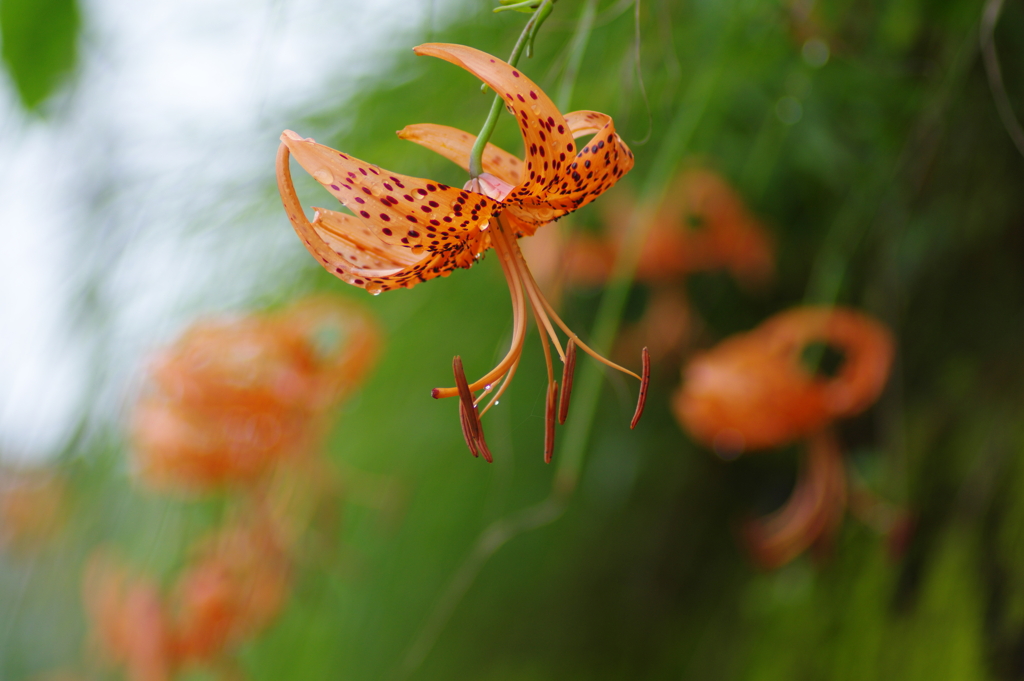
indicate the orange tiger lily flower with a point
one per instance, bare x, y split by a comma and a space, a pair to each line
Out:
751, 392
406, 230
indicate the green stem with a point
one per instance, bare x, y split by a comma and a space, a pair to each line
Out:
519, 5
577, 48
525, 39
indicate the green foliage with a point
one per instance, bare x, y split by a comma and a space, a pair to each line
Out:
39, 45
895, 190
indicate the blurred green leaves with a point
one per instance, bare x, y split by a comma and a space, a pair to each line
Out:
39, 45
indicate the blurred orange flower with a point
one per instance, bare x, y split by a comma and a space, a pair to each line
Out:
32, 506
236, 584
129, 626
702, 225
753, 392
233, 397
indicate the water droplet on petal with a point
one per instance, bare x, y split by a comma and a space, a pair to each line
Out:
323, 176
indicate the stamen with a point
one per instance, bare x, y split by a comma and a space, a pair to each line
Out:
642, 400
481, 443
529, 282
568, 371
549, 422
515, 285
532, 291
468, 410
504, 384
466, 397
464, 422
487, 389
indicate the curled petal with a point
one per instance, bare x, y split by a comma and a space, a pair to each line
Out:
403, 211
348, 248
546, 138
594, 170
812, 513
867, 347
752, 390
456, 145
336, 230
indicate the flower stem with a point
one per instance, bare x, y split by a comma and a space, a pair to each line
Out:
525, 41
577, 48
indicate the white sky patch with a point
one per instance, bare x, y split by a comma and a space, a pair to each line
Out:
132, 210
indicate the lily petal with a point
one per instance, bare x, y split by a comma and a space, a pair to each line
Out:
405, 211
456, 145
349, 249
352, 241
546, 138
597, 167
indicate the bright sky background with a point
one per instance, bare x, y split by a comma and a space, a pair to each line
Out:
131, 209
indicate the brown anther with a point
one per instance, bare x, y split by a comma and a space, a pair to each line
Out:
568, 371
464, 422
466, 397
482, 444
469, 416
549, 423
644, 380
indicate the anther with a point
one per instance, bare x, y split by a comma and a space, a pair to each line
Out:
464, 422
646, 378
549, 422
568, 371
472, 428
466, 398
482, 444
